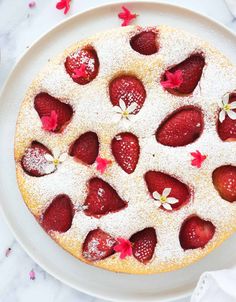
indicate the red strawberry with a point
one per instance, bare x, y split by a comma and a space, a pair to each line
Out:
145, 43
98, 245
227, 129
158, 181
144, 243
33, 162
86, 57
59, 214
125, 148
195, 233
224, 180
102, 199
191, 72
85, 148
129, 89
181, 128
44, 104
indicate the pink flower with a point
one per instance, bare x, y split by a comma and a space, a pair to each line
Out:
80, 72
102, 164
49, 123
198, 159
32, 4
173, 80
32, 275
124, 247
63, 4
126, 16
8, 251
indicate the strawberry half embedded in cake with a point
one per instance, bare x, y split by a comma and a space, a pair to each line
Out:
181, 128
191, 72
143, 244
33, 161
125, 148
98, 245
168, 192
54, 114
145, 42
128, 89
226, 125
83, 65
224, 180
59, 214
85, 148
195, 233
102, 199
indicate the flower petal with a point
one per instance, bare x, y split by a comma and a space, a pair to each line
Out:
131, 117
167, 206
172, 200
231, 114
158, 203
222, 116
225, 99
117, 109
56, 153
116, 118
122, 105
48, 157
63, 157
233, 105
156, 195
50, 168
166, 192
132, 107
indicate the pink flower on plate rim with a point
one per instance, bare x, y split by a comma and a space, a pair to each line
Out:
32, 4
198, 159
173, 79
102, 164
49, 123
63, 4
124, 247
32, 275
126, 16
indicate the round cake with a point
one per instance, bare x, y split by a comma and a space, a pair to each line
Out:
125, 149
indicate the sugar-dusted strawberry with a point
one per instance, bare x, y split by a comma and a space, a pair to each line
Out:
98, 245
195, 233
102, 199
181, 128
224, 180
87, 58
45, 104
143, 244
59, 214
85, 148
33, 161
125, 148
158, 182
128, 89
191, 69
145, 42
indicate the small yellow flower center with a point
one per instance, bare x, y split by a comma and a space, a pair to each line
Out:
227, 107
163, 199
125, 113
56, 162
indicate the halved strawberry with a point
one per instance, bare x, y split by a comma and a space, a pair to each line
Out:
181, 128
158, 181
87, 57
145, 42
191, 69
85, 148
33, 162
59, 214
128, 89
44, 104
143, 244
227, 129
102, 199
195, 233
98, 245
125, 148
224, 180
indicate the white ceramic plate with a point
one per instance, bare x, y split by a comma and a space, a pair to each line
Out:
97, 282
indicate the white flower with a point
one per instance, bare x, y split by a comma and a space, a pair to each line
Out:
54, 161
164, 200
227, 108
123, 112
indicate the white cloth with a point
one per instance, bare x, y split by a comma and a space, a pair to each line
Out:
217, 286
232, 6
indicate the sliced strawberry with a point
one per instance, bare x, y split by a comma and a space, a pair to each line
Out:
144, 243
227, 129
98, 245
44, 104
181, 128
125, 148
128, 89
102, 199
145, 42
59, 214
195, 233
224, 180
191, 69
85, 148
33, 162
158, 181
87, 57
